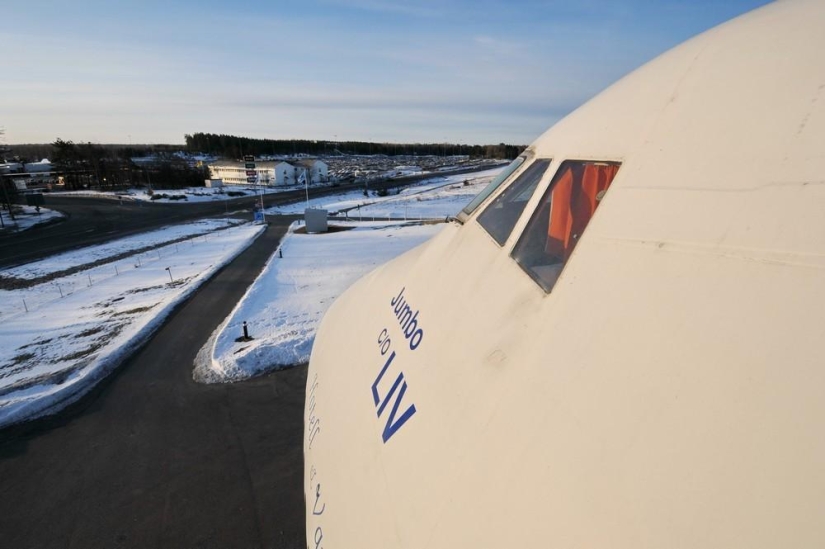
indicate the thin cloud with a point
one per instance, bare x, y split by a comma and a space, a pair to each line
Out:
417, 9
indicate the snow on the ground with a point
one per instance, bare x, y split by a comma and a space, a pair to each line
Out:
57, 339
285, 304
186, 196
434, 198
77, 315
95, 254
202, 194
26, 217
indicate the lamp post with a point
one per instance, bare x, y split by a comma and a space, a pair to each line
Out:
263, 214
306, 185
254, 177
170, 274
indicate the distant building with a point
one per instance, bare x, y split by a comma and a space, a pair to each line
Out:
30, 175
11, 167
234, 173
38, 167
316, 170
284, 173
270, 173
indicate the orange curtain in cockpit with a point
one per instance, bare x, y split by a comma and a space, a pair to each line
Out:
574, 200
561, 217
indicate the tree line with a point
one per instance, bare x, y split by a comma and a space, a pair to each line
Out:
111, 167
232, 146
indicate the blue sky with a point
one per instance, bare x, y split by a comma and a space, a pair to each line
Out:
483, 71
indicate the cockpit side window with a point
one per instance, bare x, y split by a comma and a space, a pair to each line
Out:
561, 217
490, 189
501, 215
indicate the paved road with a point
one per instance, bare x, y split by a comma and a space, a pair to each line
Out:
154, 460
95, 220
151, 459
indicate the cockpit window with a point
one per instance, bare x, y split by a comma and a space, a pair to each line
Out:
561, 217
501, 215
489, 189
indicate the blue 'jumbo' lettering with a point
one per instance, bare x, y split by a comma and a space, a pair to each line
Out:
408, 319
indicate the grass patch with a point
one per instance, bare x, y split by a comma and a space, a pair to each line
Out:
83, 353
36, 343
21, 358
90, 332
168, 196
136, 310
179, 282
141, 290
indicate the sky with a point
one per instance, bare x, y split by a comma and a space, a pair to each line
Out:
476, 72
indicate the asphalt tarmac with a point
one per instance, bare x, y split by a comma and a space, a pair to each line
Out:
152, 459
95, 220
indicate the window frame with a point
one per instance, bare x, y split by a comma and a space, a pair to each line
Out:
528, 156
560, 165
547, 173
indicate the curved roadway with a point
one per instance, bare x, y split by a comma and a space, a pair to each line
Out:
152, 459
96, 220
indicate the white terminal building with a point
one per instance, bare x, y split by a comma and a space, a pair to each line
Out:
272, 173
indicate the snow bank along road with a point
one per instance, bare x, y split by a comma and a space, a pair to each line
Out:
75, 316
158, 460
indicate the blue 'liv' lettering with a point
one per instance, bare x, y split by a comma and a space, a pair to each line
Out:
380, 375
392, 425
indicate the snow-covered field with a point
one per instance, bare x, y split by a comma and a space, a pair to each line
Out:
136, 248
283, 307
26, 217
185, 196
61, 336
434, 198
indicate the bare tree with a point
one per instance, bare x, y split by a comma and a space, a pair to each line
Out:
3, 148
5, 181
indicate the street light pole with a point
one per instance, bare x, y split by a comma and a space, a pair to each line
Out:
263, 214
306, 185
5, 184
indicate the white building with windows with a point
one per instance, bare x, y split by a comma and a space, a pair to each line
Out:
316, 170
284, 173
271, 173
